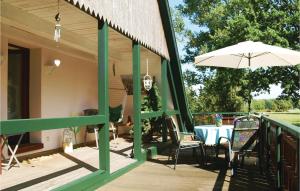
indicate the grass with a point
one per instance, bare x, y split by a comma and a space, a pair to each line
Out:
293, 118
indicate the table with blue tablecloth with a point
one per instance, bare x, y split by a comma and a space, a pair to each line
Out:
210, 134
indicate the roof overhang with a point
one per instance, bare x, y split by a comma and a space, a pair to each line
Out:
137, 19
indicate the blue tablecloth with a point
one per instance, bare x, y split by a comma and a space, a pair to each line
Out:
210, 134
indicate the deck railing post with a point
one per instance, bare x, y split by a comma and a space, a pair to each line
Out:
164, 95
103, 102
278, 158
136, 60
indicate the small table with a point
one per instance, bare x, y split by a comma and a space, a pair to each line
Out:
210, 134
4, 141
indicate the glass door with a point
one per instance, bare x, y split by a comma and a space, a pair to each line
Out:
18, 87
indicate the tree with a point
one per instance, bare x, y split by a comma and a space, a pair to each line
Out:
151, 102
224, 23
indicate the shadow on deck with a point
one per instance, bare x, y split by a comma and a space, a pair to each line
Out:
158, 174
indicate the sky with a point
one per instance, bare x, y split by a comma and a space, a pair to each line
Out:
275, 90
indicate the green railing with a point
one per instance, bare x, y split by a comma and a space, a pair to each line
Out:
204, 118
278, 149
280, 152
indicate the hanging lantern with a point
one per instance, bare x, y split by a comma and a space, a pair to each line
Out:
57, 29
147, 80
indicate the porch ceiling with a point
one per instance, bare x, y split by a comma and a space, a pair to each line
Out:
79, 31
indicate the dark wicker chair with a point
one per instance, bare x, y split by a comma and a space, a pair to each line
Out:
182, 141
244, 140
91, 128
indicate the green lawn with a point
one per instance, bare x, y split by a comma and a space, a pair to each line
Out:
293, 118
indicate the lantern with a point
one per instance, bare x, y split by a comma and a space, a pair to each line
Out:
57, 28
67, 141
147, 80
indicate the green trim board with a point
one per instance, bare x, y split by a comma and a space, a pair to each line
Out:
16, 126
103, 93
136, 65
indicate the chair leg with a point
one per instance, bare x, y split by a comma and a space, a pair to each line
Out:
85, 136
176, 157
170, 152
96, 137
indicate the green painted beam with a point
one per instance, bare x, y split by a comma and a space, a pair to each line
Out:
153, 114
148, 115
18, 126
84, 183
229, 113
136, 61
164, 95
164, 85
172, 112
103, 97
165, 13
292, 129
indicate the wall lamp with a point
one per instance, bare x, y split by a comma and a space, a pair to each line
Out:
55, 63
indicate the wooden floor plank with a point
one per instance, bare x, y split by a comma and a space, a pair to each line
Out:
50, 171
159, 174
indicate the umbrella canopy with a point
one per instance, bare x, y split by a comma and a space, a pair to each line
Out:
249, 54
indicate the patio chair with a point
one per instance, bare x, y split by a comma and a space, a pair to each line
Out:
115, 118
182, 141
243, 142
91, 128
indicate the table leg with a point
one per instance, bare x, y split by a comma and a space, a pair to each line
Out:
13, 153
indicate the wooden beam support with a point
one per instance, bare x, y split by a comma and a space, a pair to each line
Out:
164, 94
18, 126
103, 99
136, 61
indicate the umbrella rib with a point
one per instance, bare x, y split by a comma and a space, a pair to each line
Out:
204, 59
240, 60
261, 54
283, 59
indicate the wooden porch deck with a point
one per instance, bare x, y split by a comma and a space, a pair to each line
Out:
188, 176
51, 171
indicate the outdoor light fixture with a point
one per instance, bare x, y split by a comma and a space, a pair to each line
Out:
53, 64
57, 29
147, 80
56, 62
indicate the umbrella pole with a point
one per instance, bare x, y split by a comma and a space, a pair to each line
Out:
249, 84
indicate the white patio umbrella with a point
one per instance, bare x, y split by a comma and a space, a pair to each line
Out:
249, 54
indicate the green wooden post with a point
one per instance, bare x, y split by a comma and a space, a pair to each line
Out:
176, 105
164, 94
136, 60
103, 102
278, 157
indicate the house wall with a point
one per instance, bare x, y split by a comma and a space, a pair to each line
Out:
66, 91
